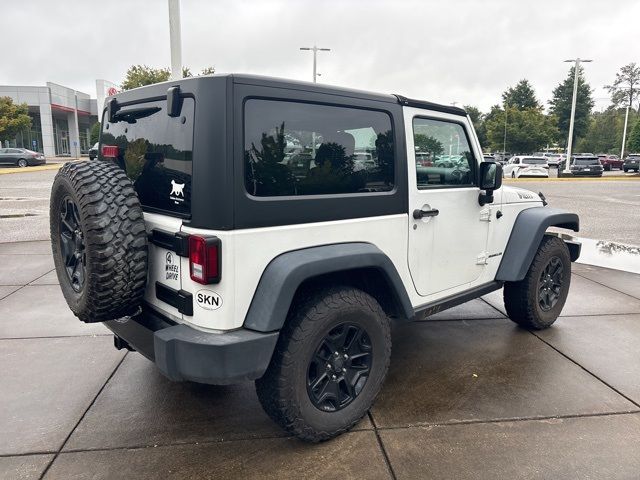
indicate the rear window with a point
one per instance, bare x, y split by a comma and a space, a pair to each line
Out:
586, 161
156, 152
534, 161
296, 149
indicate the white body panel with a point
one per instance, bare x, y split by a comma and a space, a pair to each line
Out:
246, 253
164, 265
440, 258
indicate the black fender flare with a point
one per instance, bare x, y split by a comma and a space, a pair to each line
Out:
286, 272
526, 235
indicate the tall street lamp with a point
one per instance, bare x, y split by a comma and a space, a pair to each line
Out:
576, 73
315, 51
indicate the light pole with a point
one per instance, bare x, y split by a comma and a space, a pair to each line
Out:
315, 51
175, 39
504, 142
576, 74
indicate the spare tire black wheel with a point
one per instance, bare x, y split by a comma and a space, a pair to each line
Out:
98, 240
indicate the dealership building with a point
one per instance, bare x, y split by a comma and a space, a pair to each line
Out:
61, 119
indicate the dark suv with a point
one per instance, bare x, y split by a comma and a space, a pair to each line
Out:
632, 162
590, 166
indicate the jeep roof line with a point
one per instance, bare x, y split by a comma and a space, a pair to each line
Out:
229, 231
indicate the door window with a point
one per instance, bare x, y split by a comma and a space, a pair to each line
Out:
449, 158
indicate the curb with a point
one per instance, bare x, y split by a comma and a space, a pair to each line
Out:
573, 179
39, 168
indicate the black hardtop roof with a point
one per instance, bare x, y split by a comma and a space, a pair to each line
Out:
155, 90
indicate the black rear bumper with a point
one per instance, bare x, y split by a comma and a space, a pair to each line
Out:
184, 353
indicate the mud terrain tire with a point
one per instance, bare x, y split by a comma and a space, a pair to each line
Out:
98, 240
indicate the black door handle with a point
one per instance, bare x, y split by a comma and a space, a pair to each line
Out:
418, 214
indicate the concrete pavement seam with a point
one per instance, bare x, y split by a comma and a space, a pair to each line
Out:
385, 455
510, 419
276, 437
22, 286
607, 286
82, 416
586, 370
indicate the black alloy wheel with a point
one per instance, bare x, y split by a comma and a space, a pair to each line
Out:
72, 244
550, 284
339, 367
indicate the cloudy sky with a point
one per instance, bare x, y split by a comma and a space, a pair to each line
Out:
463, 51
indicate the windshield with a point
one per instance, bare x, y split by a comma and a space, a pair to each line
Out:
534, 161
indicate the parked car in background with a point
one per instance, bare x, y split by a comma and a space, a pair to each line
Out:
553, 159
523, 166
424, 159
20, 157
586, 165
632, 162
502, 157
609, 162
93, 152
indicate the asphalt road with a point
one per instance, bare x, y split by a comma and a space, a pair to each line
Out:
609, 209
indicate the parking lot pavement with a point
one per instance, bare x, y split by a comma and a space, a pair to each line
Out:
468, 395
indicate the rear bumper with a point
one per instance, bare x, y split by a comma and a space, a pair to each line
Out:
184, 353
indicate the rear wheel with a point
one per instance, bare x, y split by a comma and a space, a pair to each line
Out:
22, 163
330, 361
536, 301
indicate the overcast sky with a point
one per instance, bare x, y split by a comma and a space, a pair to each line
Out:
447, 51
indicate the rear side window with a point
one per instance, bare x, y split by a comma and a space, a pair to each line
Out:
156, 152
296, 149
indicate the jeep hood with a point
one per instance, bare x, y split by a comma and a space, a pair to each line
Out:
518, 195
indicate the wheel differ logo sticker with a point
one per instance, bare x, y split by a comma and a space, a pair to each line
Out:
208, 300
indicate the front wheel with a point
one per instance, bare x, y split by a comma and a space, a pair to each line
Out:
329, 364
536, 301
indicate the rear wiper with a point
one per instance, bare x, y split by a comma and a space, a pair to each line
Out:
132, 114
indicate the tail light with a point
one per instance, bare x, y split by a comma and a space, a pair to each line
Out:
110, 151
205, 255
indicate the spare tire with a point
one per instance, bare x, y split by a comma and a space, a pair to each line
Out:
98, 240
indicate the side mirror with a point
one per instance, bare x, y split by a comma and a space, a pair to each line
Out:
490, 180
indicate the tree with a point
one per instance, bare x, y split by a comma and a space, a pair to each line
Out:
140, 75
427, 144
560, 105
604, 134
94, 134
633, 144
13, 118
626, 87
521, 96
477, 118
527, 130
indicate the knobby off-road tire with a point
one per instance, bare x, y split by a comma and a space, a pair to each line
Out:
526, 301
284, 390
98, 240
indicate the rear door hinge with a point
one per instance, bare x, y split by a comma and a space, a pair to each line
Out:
485, 215
482, 259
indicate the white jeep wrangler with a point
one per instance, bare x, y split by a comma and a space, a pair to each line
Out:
227, 233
